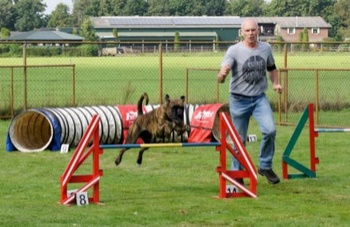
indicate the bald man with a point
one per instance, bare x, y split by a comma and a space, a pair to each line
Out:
248, 61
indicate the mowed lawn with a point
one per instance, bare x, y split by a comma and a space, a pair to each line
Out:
178, 187
174, 186
121, 79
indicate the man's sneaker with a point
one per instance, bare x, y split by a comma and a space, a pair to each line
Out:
271, 176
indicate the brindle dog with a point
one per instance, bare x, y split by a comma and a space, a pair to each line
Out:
158, 123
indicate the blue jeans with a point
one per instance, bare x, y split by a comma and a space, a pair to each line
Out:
241, 109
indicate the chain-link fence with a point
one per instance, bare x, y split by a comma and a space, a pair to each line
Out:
34, 76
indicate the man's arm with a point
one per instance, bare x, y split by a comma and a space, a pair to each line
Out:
274, 78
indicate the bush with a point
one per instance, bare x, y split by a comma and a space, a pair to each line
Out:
10, 50
44, 51
344, 47
4, 48
89, 50
15, 50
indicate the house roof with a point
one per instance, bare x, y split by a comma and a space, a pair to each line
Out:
201, 21
157, 34
44, 35
169, 21
297, 22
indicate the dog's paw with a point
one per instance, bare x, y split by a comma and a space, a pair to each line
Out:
117, 161
139, 161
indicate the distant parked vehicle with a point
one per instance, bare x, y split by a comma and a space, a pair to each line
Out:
111, 51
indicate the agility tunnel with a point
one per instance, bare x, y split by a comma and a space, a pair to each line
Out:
35, 130
205, 123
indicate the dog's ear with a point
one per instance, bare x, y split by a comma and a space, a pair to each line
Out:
167, 98
182, 98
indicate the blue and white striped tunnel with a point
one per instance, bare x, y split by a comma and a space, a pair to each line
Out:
35, 130
48, 128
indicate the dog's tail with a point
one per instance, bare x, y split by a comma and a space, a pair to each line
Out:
144, 96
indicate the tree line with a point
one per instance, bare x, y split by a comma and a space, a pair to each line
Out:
26, 15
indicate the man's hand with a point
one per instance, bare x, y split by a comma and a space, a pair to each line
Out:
224, 71
278, 88
275, 82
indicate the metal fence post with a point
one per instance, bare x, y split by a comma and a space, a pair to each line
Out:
160, 73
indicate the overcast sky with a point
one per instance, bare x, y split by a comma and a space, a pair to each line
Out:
51, 5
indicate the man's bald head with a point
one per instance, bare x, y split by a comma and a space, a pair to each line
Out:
249, 22
250, 32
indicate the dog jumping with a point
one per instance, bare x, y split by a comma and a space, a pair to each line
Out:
158, 123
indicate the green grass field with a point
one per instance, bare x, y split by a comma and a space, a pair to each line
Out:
177, 187
174, 186
120, 80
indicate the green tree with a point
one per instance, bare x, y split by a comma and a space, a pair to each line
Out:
111, 7
305, 39
93, 8
186, 8
327, 9
118, 7
75, 31
60, 17
87, 30
29, 14
294, 8
301, 35
136, 7
214, 7
5, 33
217, 42
115, 34
286, 8
177, 8
301, 38
7, 14
177, 42
342, 9
195, 8
335, 22
281, 45
321, 8
105, 8
81, 9
158, 8
245, 8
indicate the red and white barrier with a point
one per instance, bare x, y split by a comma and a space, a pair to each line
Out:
92, 180
80, 155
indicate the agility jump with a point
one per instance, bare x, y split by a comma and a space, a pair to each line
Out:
308, 115
83, 151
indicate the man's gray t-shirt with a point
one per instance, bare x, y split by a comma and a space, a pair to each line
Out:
248, 68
